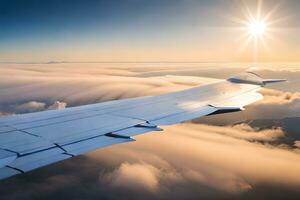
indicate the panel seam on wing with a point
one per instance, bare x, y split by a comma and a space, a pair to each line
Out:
14, 168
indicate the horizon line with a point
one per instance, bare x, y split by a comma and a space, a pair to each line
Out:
62, 62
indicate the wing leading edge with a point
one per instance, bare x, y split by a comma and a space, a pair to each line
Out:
33, 140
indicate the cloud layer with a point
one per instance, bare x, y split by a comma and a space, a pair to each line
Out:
187, 161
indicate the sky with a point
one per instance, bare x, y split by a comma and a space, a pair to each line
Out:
145, 31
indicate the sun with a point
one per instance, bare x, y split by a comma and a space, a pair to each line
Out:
257, 28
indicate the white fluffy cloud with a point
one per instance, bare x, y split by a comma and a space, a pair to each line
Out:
133, 177
217, 157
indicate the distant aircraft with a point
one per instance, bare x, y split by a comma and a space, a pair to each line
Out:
30, 141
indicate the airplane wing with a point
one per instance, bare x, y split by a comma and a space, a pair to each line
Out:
30, 141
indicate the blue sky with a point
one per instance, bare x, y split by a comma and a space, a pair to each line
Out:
135, 30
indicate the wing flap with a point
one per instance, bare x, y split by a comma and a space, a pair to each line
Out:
92, 144
38, 159
75, 130
6, 172
147, 112
6, 157
12, 165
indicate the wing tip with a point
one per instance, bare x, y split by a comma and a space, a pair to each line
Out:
253, 78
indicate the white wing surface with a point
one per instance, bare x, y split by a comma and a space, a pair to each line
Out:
33, 140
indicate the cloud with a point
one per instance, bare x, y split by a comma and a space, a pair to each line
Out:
297, 144
246, 132
5, 113
57, 105
34, 106
31, 106
78, 89
277, 104
133, 177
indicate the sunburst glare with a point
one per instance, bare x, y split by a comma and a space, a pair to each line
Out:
257, 27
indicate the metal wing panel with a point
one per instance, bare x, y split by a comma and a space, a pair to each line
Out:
4, 129
82, 128
185, 116
239, 100
56, 120
39, 159
132, 131
92, 144
187, 101
22, 143
150, 112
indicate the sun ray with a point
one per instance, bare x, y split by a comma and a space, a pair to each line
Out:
245, 44
246, 10
259, 8
278, 20
271, 12
257, 27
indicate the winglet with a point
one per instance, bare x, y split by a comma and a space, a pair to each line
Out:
269, 81
253, 78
